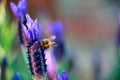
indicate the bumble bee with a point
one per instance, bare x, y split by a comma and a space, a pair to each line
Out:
47, 43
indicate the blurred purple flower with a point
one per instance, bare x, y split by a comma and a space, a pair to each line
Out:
16, 77
3, 68
64, 76
20, 9
57, 77
4, 61
50, 61
56, 28
51, 64
33, 29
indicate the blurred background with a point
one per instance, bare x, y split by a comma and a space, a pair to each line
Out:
90, 37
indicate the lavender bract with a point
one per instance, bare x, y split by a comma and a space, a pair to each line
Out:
32, 29
20, 9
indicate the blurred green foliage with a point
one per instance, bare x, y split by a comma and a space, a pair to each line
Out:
8, 30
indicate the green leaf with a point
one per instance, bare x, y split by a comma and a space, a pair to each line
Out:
21, 67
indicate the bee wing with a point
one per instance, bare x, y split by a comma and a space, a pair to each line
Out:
54, 44
52, 38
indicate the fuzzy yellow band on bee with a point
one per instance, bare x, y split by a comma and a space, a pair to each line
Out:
47, 43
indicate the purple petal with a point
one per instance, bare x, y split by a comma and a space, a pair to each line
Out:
31, 34
28, 33
36, 28
14, 9
25, 31
29, 21
40, 31
22, 5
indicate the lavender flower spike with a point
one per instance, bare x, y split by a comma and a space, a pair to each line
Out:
33, 29
20, 9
